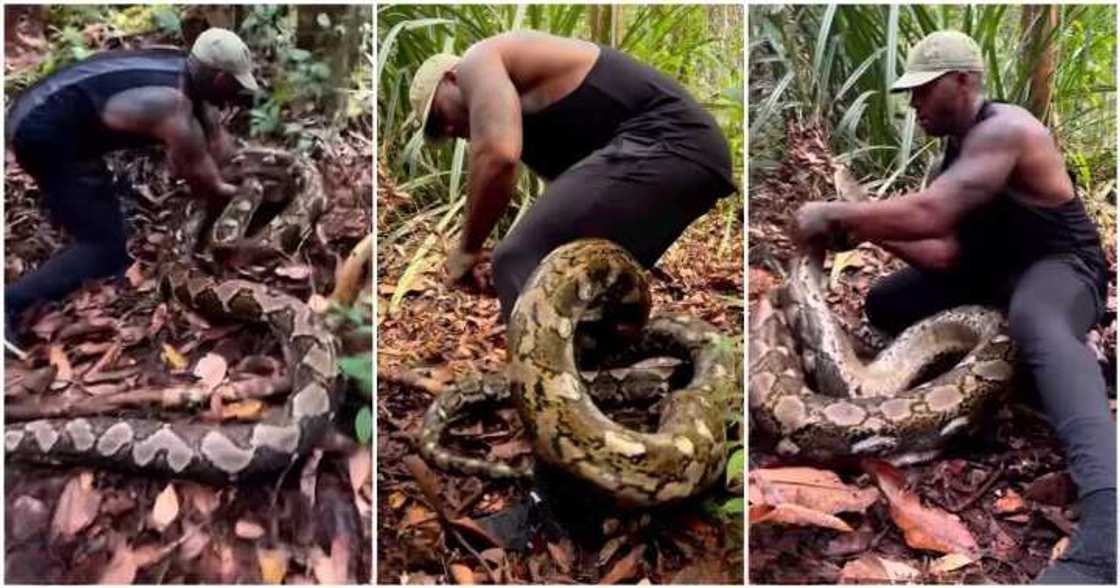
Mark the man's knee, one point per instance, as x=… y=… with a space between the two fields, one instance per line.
x=1042 y=336
x=512 y=262
x=111 y=255
x=881 y=308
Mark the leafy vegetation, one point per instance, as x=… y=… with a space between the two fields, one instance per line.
x=837 y=62
x=701 y=46
x=303 y=103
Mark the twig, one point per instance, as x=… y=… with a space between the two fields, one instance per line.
x=982 y=490
x=412 y=379
x=348 y=280
x=165 y=397
x=16 y=351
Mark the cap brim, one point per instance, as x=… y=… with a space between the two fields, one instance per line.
x=913 y=79
x=246 y=80
x=424 y=117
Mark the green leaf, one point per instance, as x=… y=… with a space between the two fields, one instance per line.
x=735 y=506
x=299 y=55
x=363 y=425
x=360 y=368
x=167 y=19
x=735 y=465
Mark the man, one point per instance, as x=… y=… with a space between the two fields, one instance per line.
x=1001 y=225
x=61 y=127
x=628 y=154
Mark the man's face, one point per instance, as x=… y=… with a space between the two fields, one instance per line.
x=223 y=89
x=940 y=103
x=448 y=117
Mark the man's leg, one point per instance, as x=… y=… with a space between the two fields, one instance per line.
x=81 y=199
x=1052 y=309
x=642 y=200
x=909 y=295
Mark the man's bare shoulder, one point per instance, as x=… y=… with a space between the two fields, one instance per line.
x=1017 y=121
x=144 y=109
x=1009 y=125
x=516 y=45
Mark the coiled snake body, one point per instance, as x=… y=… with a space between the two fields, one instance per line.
x=227 y=451
x=882 y=408
x=596 y=278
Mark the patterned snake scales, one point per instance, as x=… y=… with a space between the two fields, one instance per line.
x=873 y=409
x=595 y=279
x=225 y=452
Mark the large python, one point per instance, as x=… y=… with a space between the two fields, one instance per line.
x=882 y=408
x=594 y=279
x=229 y=451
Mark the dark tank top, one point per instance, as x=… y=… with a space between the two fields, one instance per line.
x=63 y=111
x=1005 y=236
x=622 y=97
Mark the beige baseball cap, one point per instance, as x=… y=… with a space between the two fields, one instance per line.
x=936 y=55
x=424 y=84
x=223 y=50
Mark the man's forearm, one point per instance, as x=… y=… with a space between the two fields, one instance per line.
x=492 y=181
x=926 y=254
x=204 y=179
x=909 y=218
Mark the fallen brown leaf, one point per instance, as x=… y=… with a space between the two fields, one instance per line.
x=77 y=506
x=360 y=466
x=294 y=272
x=165 y=510
x=922 y=527
x=173 y=358
x=127 y=561
x=333 y=568
x=626 y=568
x=210 y=371
x=244 y=410
x=462 y=574
x=950 y=562
x=57 y=358
x=820 y=490
x=246 y=529
x=1010 y=503
x=872 y=569
x=795 y=514
x=273 y=564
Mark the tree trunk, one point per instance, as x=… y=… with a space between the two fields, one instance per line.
x=337 y=47
x=196 y=19
x=1038 y=23
x=599 y=18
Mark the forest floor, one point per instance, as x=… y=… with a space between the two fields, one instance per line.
x=435 y=527
x=992 y=509
x=76 y=524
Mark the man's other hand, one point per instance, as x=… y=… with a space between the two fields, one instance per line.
x=465 y=271
x=816 y=228
x=225 y=190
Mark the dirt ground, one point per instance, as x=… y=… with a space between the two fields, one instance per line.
x=1006 y=485
x=435 y=527
x=72 y=524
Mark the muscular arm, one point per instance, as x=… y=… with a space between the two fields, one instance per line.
x=988 y=156
x=495 y=127
x=186 y=144
x=165 y=113
x=928 y=254
x=220 y=144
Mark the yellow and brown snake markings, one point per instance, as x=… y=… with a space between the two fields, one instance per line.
x=557 y=402
x=223 y=452
x=810 y=392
